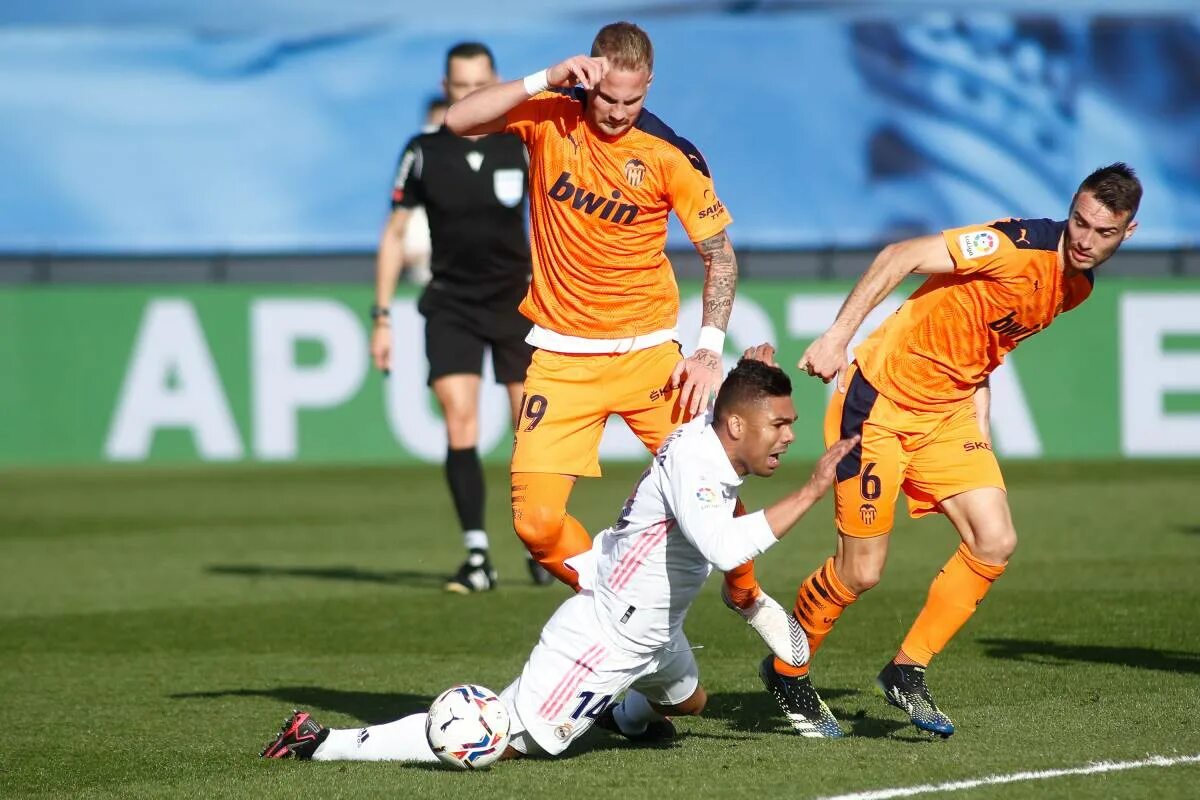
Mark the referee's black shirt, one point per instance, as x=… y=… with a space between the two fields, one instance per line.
x=474 y=193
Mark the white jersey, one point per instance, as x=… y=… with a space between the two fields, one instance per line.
x=676 y=526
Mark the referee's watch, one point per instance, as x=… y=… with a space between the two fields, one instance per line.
x=380 y=311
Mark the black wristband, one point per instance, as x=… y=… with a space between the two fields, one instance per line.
x=380 y=311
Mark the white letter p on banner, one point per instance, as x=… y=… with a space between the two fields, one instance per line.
x=283 y=387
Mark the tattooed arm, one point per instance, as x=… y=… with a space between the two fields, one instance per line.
x=700 y=373
x=720 y=280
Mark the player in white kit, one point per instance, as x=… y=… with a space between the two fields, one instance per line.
x=623 y=632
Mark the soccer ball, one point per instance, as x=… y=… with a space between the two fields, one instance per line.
x=467 y=727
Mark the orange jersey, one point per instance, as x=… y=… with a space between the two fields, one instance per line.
x=956 y=329
x=598 y=218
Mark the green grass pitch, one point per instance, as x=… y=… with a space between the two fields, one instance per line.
x=157 y=625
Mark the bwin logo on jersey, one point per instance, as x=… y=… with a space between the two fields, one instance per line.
x=591 y=203
x=1008 y=326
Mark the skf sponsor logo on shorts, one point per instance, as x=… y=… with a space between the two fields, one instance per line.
x=715 y=206
x=1008 y=326
x=593 y=204
x=868 y=513
x=635 y=171
x=969 y=446
x=977 y=244
x=708 y=497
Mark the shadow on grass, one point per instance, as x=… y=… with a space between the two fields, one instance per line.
x=867 y=727
x=347 y=573
x=1056 y=653
x=1192 y=529
x=370 y=707
x=376 y=708
x=596 y=741
x=593 y=741
x=757 y=712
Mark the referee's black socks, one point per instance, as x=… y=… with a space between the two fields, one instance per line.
x=464 y=474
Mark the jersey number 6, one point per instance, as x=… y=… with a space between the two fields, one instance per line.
x=870 y=486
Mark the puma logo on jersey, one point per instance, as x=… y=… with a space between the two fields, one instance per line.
x=1008 y=326
x=592 y=204
x=1022 y=238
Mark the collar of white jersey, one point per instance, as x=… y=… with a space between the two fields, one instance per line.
x=716 y=451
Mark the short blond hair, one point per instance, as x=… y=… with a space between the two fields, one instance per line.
x=626 y=46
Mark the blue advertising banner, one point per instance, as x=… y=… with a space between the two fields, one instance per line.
x=823 y=129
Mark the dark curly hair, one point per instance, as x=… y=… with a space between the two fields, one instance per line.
x=750 y=382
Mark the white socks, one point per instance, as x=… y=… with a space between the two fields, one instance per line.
x=634 y=713
x=475 y=540
x=402 y=740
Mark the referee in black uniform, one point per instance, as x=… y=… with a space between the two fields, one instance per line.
x=474 y=193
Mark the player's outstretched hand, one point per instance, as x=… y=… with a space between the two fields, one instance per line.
x=763 y=352
x=826 y=469
x=700 y=375
x=381 y=348
x=584 y=70
x=824 y=358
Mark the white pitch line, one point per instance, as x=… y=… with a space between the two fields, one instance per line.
x=1015 y=777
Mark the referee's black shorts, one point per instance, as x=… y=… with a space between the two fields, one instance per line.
x=457 y=330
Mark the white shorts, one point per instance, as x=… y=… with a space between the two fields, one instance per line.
x=575 y=672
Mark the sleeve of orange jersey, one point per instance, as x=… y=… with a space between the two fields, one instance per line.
x=694 y=198
x=978 y=249
x=523 y=119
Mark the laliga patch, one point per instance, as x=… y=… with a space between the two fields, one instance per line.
x=708 y=497
x=977 y=244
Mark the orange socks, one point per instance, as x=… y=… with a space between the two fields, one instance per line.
x=742 y=585
x=539 y=508
x=953 y=597
x=740 y=582
x=820 y=600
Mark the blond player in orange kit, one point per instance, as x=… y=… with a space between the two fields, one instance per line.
x=917 y=393
x=604 y=176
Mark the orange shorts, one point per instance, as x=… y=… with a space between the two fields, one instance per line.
x=930 y=455
x=568 y=399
